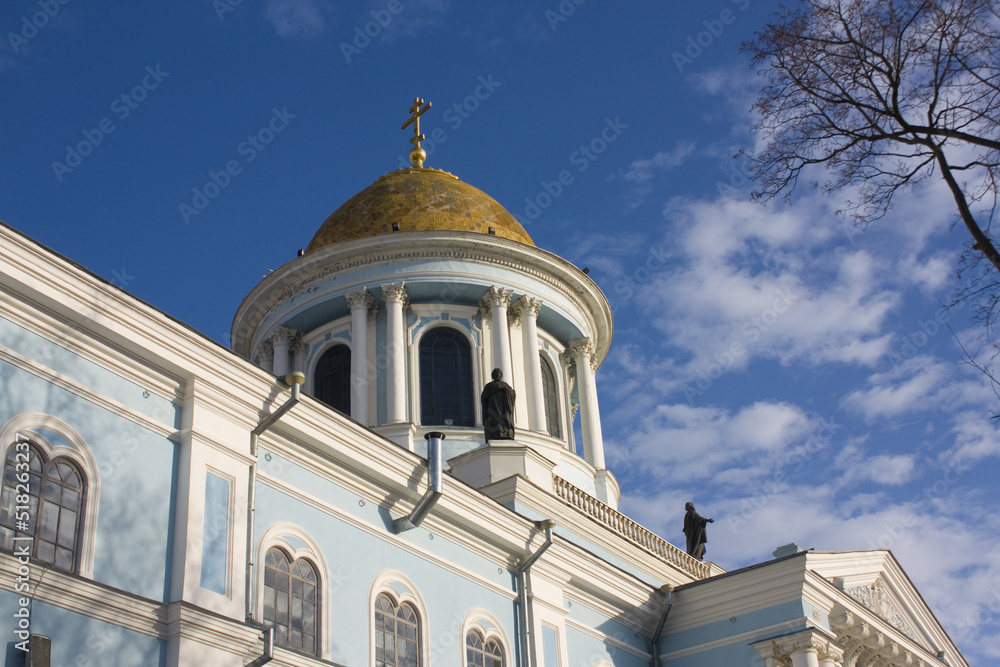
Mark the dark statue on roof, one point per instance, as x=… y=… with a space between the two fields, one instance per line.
x=694 y=530
x=498 y=409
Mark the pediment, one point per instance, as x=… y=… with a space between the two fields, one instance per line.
x=875 y=581
x=885 y=602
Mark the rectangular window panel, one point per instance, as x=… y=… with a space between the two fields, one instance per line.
x=215 y=534
x=549 y=653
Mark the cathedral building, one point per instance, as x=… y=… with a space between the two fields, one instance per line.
x=323 y=493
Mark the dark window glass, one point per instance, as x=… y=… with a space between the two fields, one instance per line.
x=291 y=600
x=332 y=384
x=41 y=501
x=482 y=653
x=446 y=378
x=397 y=633
x=550 y=388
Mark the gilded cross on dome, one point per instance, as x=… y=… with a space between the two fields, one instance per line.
x=418 y=154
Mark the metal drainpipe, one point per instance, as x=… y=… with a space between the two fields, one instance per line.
x=522 y=584
x=435 y=486
x=667 y=590
x=296 y=380
x=268 y=649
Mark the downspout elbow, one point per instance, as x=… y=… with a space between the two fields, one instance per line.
x=268 y=655
x=435 y=485
x=668 y=590
x=547 y=525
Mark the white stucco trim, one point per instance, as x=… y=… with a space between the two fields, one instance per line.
x=25 y=424
x=383 y=583
x=491 y=629
x=275 y=536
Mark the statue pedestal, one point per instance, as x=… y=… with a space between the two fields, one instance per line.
x=499 y=460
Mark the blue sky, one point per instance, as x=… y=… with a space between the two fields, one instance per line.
x=792 y=375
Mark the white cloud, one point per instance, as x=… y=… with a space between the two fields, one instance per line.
x=883 y=469
x=296 y=19
x=766 y=281
x=643 y=170
x=976 y=438
x=915 y=384
x=708 y=443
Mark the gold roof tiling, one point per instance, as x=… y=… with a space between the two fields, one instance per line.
x=418 y=199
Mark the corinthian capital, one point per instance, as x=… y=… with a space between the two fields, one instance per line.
x=582 y=347
x=394 y=292
x=526 y=306
x=361 y=299
x=497 y=297
x=281 y=335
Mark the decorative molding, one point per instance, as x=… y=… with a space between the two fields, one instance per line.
x=526 y=305
x=298 y=343
x=783 y=651
x=362 y=298
x=301 y=277
x=394 y=293
x=496 y=297
x=89 y=394
x=867 y=644
x=23 y=427
x=265 y=353
x=281 y=335
x=389 y=582
x=582 y=347
x=875 y=597
x=274 y=536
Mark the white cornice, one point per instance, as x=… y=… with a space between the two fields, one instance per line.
x=86 y=393
x=294 y=277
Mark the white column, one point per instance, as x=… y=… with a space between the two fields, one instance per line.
x=394 y=295
x=527 y=310
x=266 y=355
x=361 y=303
x=298 y=348
x=805 y=657
x=593 y=439
x=281 y=339
x=497 y=299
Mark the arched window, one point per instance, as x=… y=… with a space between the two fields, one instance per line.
x=291 y=600
x=397 y=633
x=482 y=652
x=549 y=386
x=42 y=500
x=332 y=382
x=446 y=394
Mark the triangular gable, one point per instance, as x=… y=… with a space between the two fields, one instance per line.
x=875 y=580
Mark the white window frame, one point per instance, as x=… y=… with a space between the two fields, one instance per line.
x=23 y=427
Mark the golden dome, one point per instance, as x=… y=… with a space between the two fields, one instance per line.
x=418 y=199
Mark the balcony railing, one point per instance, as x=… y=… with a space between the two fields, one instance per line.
x=630 y=530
